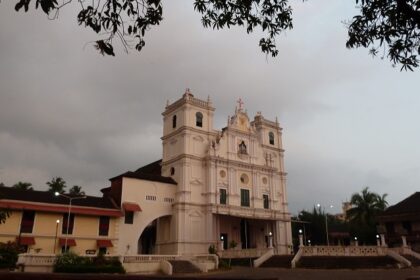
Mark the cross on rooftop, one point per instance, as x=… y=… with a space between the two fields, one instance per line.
x=240 y=103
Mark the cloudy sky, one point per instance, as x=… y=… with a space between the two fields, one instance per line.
x=349 y=120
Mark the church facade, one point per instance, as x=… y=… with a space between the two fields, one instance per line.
x=225 y=188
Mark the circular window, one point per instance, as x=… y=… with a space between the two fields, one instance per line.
x=222 y=173
x=244 y=179
x=264 y=180
x=172 y=171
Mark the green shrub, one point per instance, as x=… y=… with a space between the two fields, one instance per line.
x=212 y=249
x=72 y=263
x=9 y=254
x=232 y=244
x=224 y=264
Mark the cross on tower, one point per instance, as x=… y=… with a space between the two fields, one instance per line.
x=240 y=103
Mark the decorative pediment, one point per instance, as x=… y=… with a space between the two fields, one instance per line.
x=196 y=181
x=198 y=138
x=222 y=184
x=240 y=121
x=195 y=213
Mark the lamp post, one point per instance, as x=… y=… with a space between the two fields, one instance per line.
x=301 y=238
x=68 y=215
x=304 y=231
x=222 y=247
x=326 y=222
x=378 y=241
x=56 y=233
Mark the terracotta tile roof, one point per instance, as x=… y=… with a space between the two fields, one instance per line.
x=12 y=194
x=409 y=205
x=150 y=172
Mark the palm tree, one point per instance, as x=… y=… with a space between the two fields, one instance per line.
x=57 y=184
x=24 y=186
x=362 y=216
x=76 y=191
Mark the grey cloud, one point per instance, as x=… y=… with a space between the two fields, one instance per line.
x=67 y=111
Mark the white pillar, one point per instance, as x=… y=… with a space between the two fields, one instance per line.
x=270 y=241
x=383 y=240
x=301 y=240
x=404 y=240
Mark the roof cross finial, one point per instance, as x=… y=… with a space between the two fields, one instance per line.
x=240 y=103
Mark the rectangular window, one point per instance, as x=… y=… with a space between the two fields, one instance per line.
x=65 y=249
x=389 y=227
x=407 y=226
x=102 y=250
x=65 y=221
x=265 y=200
x=223 y=196
x=27 y=223
x=245 y=197
x=129 y=217
x=103 y=225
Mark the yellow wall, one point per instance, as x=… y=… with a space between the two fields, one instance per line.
x=85 y=232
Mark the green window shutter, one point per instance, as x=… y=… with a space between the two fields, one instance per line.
x=223 y=196
x=245 y=197
x=265 y=200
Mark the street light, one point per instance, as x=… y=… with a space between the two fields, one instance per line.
x=56 y=233
x=68 y=215
x=378 y=241
x=270 y=240
x=304 y=227
x=326 y=221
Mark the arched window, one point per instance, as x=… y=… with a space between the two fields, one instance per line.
x=271 y=137
x=199 y=119
x=174 y=121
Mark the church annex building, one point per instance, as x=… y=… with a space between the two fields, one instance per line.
x=225 y=188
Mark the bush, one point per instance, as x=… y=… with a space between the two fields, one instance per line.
x=212 y=249
x=224 y=264
x=72 y=263
x=9 y=254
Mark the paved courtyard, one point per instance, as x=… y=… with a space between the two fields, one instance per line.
x=241 y=273
x=316 y=274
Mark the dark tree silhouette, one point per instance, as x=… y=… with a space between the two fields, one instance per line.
x=57 y=184
x=76 y=191
x=25 y=186
x=4 y=214
x=392 y=25
x=366 y=206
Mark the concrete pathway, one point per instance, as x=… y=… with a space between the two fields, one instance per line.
x=238 y=273
x=316 y=274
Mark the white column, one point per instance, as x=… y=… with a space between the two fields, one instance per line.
x=383 y=240
x=404 y=240
x=301 y=240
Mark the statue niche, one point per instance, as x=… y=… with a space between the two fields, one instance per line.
x=242 y=148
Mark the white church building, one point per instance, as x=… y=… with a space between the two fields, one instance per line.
x=225 y=187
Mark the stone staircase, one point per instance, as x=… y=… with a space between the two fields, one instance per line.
x=183 y=266
x=245 y=262
x=282 y=261
x=414 y=261
x=333 y=262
